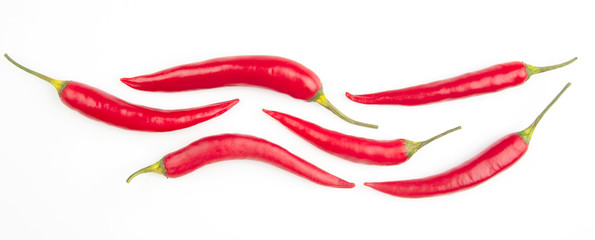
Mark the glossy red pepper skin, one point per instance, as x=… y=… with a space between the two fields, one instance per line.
x=276 y=73
x=355 y=149
x=495 y=159
x=107 y=108
x=99 y=105
x=492 y=79
x=236 y=146
x=280 y=74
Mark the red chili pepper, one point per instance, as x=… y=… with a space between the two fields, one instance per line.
x=492 y=79
x=280 y=74
x=356 y=149
x=102 y=106
x=235 y=146
x=496 y=158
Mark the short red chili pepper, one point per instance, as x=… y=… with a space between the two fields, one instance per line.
x=492 y=79
x=276 y=73
x=236 y=146
x=102 y=106
x=356 y=149
x=493 y=160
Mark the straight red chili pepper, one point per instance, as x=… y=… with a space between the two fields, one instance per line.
x=355 y=149
x=493 y=160
x=102 y=106
x=492 y=79
x=236 y=146
x=276 y=73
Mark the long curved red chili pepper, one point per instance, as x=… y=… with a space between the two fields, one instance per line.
x=280 y=74
x=102 y=106
x=236 y=146
x=356 y=149
x=493 y=160
x=492 y=79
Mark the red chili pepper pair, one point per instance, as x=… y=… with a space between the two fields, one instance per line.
x=493 y=160
x=280 y=74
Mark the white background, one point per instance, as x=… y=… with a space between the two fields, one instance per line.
x=63 y=174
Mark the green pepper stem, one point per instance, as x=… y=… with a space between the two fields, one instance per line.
x=528 y=132
x=322 y=100
x=58 y=84
x=532 y=70
x=413 y=147
x=157 y=167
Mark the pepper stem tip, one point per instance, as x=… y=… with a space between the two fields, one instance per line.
x=413 y=147
x=321 y=99
x=528 y=132
x=157 y=167
x=532 y=70
x=58 y=84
